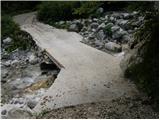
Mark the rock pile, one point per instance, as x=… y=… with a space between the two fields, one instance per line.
x=108 y=32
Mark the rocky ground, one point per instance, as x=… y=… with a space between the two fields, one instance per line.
x=25 y=79
x=111 y=33
x=120 y=108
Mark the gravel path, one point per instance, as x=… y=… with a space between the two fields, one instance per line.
x=121 y=108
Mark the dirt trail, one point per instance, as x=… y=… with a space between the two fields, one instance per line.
x=89 y=75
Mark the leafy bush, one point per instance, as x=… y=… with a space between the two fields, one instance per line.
x=62 y=26
x=50 y=12
x=55 y=11
x=21 y=39
x=87 y=9
x=142 y=6
x=9 y=28
x=146 y=73
x=18 y=7
x=108 y=30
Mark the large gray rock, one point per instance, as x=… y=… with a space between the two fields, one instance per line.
x=84 y=29
x=95 y=20
x=73 y=27
x=3 y=80
x=102 y=26
x=91 y=36
x=32 y=59
x=115 y=28
x=15 y=62
x=127 y=15
x=94 y=25
x=19 y=114
x=12 y=111
x=138 y=22
x=7 y=63
x=102 y=19
x=111 y=46
x=76 y=21
x=4 y=74
x=109 y=25
x=112 y=19
x=135 y=13
x=106 y=17
x=18 y=55
x=61 y=22
x=99 y=43
x=126 y=38
x=100 y=10
x=117 y=15
x=7 y=41
x=122 y=23
x=3 y=112
x=76 y=26
x=31 y=104
x=100 y=35
x=4 y=54
x=93 y=30
x=119 y=34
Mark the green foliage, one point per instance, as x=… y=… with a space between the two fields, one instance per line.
x=63 y=26
x=87 y=8
x=20 y=38
x=142 y=6
x=9 y=28
x=54 y=11
x=115 y=5
x=108 y=30
x=146 y=73
x=18 y=7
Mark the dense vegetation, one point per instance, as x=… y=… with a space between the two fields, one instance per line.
x=10 y=29
x=14 y=8
x=53 y=11
x=20 y=39
x=146 y=73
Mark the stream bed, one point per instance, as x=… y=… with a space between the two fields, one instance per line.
x=25 y=77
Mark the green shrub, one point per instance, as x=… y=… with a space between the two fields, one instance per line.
x=21 y=40
x=56 y=11
x=63 y=26
x=108 y=30
x=8 y=27
x=87 y=9
x=18 y=7
x=52 y=11
x=146 y=73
